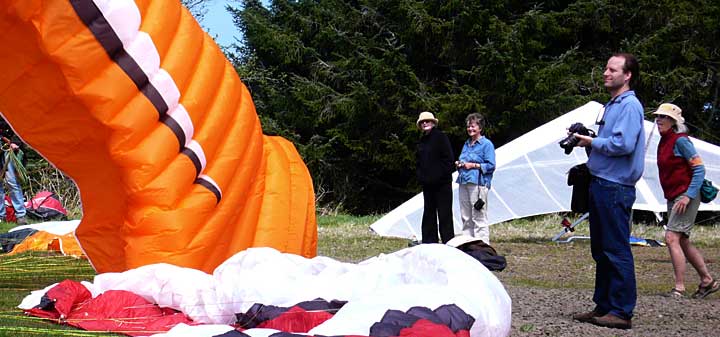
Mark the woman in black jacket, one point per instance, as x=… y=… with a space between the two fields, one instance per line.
x=434 y=169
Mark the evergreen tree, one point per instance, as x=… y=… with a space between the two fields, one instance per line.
x=346 y=80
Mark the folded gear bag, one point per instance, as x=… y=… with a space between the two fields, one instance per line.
x=579 y=179
x=486 y=254
x=708 y=191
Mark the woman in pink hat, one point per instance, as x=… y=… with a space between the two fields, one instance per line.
x=681 y=173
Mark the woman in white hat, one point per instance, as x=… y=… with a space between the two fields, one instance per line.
x=434 y=172
x=681 y=173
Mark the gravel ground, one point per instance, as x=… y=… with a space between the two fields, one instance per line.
x=548 y=283
x=548 y=312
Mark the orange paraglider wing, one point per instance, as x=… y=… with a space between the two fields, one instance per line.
x=141 y=108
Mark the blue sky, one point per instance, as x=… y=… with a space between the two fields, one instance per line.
x=218 y=22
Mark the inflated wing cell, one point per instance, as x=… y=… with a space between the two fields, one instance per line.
x=141 y=108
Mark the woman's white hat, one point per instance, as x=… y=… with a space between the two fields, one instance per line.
x=670 y=110
x=426 y=116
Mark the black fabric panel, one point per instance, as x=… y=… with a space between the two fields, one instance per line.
x=385 y=329
x=391 y=323
x=321 y=304
x=425 y=313
x=176 y=129
x=491 y=262
x=10 y=239
x=45 y=303
x=194 y=159
x=449 y=315
x=210 y=187
x=257 y=314
x=45 y=213
x=91 y=16
x=233 y=333
x=454 y=317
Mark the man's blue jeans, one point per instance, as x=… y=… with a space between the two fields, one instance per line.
x=16 y=194
x=610 y=207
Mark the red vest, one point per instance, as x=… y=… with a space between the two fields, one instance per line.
x=675 y=172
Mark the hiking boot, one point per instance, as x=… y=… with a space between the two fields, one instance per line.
x=585 y=317
x=612 y=321
x=21 y=221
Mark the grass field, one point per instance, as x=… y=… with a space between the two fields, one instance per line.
x=526 y=243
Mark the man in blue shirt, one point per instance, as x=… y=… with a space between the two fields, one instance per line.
x=616 y=163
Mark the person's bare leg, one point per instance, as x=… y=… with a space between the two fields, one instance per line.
x=696 y=260
x=677 y=257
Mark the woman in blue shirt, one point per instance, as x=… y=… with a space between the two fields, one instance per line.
x=475 y=170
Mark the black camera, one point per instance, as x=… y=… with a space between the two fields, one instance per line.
x=570 y=141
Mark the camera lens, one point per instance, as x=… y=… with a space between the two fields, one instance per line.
x=568 y=143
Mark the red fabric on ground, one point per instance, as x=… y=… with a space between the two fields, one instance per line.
x=426 y=328
x=115 y=311
x=296 y=319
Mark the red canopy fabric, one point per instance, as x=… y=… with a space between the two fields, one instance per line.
x=117 y=310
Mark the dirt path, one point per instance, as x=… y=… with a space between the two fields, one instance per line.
x=547 y=312
x=548 y=283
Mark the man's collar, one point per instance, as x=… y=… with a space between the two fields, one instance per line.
x=469 y=140
x=619 y=98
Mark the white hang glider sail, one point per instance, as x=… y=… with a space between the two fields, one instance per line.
x=531 y=177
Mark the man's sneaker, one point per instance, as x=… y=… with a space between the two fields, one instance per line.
x=612 y=321
x=586 y=317
x=21 y=221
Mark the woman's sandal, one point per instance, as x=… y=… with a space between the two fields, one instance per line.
x=674 y=293
x=702 y=292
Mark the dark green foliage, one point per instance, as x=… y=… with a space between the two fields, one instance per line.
x=345 y=80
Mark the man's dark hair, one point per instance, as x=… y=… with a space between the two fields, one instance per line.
x=632 y=66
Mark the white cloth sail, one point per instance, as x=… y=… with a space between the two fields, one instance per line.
x=531 y=177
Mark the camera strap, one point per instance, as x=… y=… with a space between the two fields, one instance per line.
x=600 y=120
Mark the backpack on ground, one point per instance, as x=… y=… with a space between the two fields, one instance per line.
x=45 y=206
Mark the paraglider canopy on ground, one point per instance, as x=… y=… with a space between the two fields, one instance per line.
x=54 y=236
x=417 y=291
